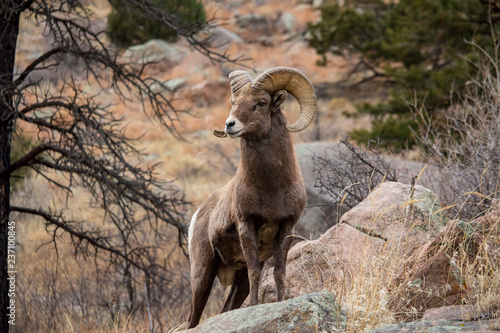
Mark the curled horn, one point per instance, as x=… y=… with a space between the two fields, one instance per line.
x=297 y=84
x=237 y=79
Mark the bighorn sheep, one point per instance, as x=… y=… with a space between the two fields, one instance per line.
x=242 y=224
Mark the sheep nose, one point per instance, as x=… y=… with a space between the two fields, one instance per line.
x=230 y=123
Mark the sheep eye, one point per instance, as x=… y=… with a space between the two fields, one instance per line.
x=261 y=104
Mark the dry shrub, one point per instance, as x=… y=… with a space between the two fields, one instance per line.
x=464 y=143
x=348 y=174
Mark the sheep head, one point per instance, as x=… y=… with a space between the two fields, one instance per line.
x=254 y=102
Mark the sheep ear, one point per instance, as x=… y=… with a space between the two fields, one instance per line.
x=278 y=98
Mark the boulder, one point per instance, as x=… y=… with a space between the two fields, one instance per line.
x=452 y=312
x=386 y=219
x=435 y=283
x=432 y=326
x=156 y=50
x=322 y=263
x=221 y=37
x=431 y=278
x=316 y=312
x=287 y=23
x=400 y=214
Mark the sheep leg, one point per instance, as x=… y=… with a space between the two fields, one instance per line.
x=248 y=239
x=201 y=284
x=239 y=291
x=281 y=246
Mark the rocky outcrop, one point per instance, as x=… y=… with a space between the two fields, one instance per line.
x=317 y=312
x=433 y=326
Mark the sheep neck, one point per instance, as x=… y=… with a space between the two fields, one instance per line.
x=269 y=163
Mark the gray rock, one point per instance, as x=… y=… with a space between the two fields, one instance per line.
x=168 y=86
x=221 y=37
x=314 y=312
x=156 y=50
x=431 y=326
x=287 y=23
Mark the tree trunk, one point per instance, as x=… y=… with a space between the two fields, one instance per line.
x=9 y=28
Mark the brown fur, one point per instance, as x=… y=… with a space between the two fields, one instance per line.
x=249 y=220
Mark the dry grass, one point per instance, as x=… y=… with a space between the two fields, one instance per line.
x=367 y=298
x=368 y=295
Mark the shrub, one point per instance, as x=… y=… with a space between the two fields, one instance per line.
x=464 y=141
x=132 y=26
x=348 y=174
